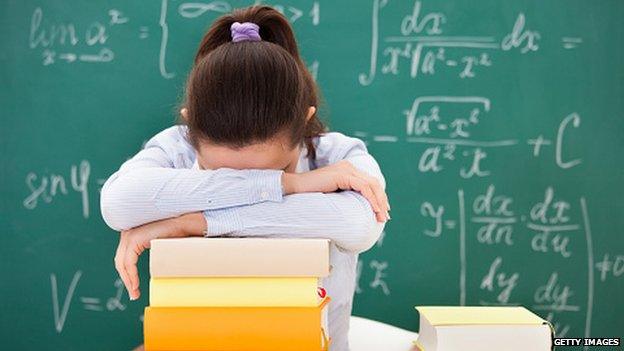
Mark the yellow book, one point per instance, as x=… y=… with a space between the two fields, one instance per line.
x=449 y=328
x=234 y=291
x=477 y=315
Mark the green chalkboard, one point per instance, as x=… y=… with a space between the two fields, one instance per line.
x=498 y=125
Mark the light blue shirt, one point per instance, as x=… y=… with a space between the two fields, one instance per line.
x=161 y=182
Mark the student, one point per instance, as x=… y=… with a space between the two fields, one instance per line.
x=251 y=159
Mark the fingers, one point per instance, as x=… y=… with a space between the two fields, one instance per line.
x=130 y=263
x=380 y=198
x=364 y=188
x=380 y=194
x=119 y=262
x=126 y=259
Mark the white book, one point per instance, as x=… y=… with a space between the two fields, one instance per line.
x=482 y=328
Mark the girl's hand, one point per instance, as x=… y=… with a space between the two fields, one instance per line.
x=134 y=241
x=341 y=175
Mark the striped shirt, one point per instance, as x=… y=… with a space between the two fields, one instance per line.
x=162 y=181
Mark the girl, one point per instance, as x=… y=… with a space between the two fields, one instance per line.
x=251 y=159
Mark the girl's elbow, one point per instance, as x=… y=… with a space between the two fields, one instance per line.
x=111 y=221
x=370 y=236
x=112 y=206
x=363 y=235
x=108 y=213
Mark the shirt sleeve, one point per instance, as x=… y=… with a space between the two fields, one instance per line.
x=345 y=217
x=150 y=186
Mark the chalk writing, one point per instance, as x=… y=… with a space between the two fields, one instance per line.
x=422 y=46
x=554 y=296
x=550 y=222
x=48 y=187
x=60 y=314
x=610 y=266
x=89 y=303
x=59 y=40
x=112 y=304
x=294 y=13
x=549 y=226
x=445 y=126
x=495 y=280
x=378 y=282
x=496 y=218
x=198 y=9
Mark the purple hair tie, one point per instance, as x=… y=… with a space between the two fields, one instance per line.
x=246 y=31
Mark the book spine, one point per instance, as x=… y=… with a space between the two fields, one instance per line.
x=234 y=328
x=203 y=257
x=204 y=292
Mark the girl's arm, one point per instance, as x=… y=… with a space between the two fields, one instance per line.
x=347 y=218
x=344 y=217
x=157 y=183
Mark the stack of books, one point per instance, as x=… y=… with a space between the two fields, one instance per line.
x=237 y=294
x=444 y=328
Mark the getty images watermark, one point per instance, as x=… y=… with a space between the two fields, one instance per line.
x=586 y=341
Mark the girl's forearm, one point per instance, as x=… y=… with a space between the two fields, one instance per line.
x=155 y=184
x=345 y=218
x=144 y=195
x=190 y=224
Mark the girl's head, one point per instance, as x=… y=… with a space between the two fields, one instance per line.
x=250 y=102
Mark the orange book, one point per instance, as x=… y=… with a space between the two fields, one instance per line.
x=235 y=328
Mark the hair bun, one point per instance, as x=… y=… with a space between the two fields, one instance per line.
x=246 y=31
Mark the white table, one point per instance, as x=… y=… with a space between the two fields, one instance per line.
x=370 y=335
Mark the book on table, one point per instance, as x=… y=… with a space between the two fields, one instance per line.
x=449 y=328
x=237 y=294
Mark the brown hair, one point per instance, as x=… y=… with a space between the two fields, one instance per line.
x=246 y=92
